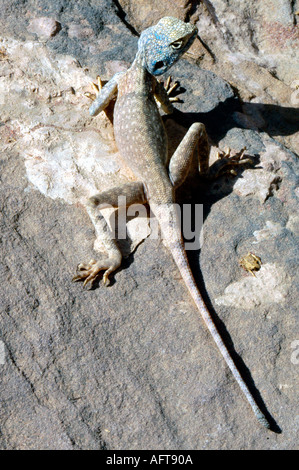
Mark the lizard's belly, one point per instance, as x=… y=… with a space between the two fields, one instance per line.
x=139 y=132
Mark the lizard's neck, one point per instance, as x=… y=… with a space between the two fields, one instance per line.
x=137 y=78
x=138 y=63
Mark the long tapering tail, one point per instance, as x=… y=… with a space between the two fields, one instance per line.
x=180 y=257
x=169 y=224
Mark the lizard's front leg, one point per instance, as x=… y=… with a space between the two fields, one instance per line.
x=132 y=193
x=104 y=94
x=162 y=94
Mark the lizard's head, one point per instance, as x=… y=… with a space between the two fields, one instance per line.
x=163 y=44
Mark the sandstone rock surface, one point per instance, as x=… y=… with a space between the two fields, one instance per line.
x=132 y=366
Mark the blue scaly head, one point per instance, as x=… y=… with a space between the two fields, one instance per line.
x=160 y=46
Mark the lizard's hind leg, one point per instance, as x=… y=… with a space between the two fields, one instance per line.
x=131 y=193
x=226 y=163
x=181 y=159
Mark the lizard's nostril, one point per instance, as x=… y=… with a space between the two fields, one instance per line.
x=158 y=65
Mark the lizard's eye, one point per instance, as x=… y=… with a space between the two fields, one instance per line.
x=177 y=44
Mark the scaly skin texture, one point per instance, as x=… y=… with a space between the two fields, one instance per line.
x=141 y=139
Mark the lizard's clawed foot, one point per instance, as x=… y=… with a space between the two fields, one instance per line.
x=227 y=161
x=89 y=272
x=96 y=88
x=169 y=88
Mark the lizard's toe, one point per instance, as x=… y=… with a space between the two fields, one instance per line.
x=89 y=272
x=96 y=89
x=227 y=162
x=170 y=86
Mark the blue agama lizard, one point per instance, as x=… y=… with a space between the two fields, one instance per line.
x=141 y=140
